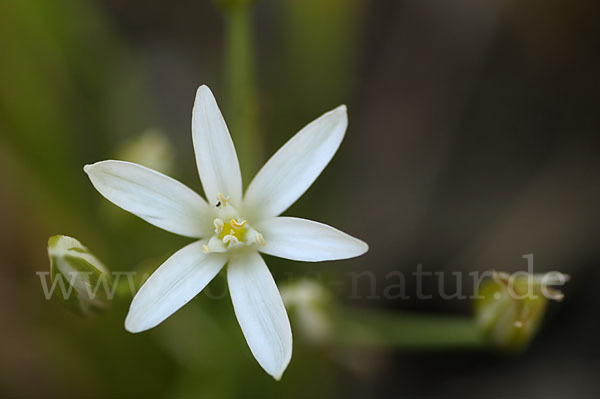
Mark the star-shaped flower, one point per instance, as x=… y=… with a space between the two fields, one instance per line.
x=231 y=229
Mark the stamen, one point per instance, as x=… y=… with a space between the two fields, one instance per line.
x=218 y=225
x=237 y=224
x=260 y=239
x=230 y=240
x=222 y=200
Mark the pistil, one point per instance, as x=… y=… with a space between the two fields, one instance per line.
x=231 y=231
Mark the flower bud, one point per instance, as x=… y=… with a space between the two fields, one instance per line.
x=78 y=278
x=152 y=149
x=309 y=305
x=510 y=308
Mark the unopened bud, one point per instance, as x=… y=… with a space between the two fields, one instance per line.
x=78 y=278
x=152 y=149
x=309 y=305
x=510 y=308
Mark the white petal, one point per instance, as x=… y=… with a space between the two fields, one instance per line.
x=156 y=198
x=260 y=312
x=289 y=173
x=306 y=240
x=215 y=154
x=172 y=285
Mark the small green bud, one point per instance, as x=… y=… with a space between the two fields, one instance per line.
x=510 y=308
x=78 y=278
x=309 y=304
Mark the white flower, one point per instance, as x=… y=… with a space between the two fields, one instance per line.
x=231 y=229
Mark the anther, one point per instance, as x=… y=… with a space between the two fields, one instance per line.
x=230 y=240
x=237 y=224
x=218 y=225
x=222 y=200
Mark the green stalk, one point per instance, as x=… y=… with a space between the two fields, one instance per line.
x=241 y=100
x=406 y=331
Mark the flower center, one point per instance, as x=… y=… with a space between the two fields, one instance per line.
x=231 y=231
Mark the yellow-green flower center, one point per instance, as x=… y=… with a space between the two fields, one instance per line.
x=231 y=231
x=234 y=228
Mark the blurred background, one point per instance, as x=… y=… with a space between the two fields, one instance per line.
x=472 y=142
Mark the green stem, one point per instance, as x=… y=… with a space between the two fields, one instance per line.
x=409 y=331
x=241 y=104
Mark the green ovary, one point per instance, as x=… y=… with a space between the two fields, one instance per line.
x=233 y=228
